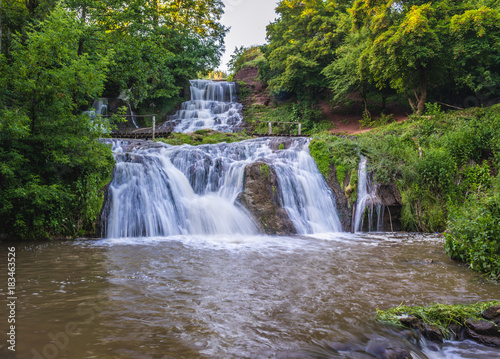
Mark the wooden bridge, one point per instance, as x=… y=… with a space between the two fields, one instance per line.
x=280 y=129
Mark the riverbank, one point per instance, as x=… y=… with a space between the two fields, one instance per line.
x=445 y=167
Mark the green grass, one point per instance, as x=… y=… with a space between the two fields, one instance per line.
x=312 y=122
x=203 y=137
x=264 y=169
x=439 y=315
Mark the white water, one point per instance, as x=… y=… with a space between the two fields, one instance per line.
x=99 y=108
x=163 y=190
x=367 y=201
x=212 y=106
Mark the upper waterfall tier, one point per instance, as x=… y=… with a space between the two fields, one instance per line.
x=162 y=190
x=212 y=106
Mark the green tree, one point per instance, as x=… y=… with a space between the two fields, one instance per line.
x=52 y=164
x=302 y=42
x=476 y=48
x=411 y=55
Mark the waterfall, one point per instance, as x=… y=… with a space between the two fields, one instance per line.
x=368 y=206
x=132 y=116
x=212 y=106
x=162 y=190
x=99 y=108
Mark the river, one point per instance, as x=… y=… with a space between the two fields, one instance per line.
x=232 y=296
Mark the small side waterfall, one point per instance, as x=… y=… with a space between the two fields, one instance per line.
x=132 y=116
x=162 y=190
x=368 y=206
x=212 y=106
x=99 y=108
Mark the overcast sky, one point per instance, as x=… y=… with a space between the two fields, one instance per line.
x=248 y=20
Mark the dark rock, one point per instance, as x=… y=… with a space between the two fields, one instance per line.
x=459 y=332
x=396 y=353
x=412 y=322
x=100 y=222
x=377 y=347
x=433 y=333
x=493 y=314
x=382 y=348
x=344 y=211
x=411 y=336
x=260 y=197
x=389 y=194
x=483 y=328
x=484 y=339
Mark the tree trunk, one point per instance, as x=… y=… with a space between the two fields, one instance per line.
x=412 y=103
x=422 y=99
x=365 y=101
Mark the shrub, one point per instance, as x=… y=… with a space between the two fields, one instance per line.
x=474 y=232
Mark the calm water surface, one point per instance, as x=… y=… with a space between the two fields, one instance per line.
x=234 y=297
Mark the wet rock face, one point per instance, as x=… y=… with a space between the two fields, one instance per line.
x=344 y=211
x=389 y=194
x=260 y=197
x=493 y=314
x=391 y=198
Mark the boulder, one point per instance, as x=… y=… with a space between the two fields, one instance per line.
x=433 y=333
x=261 y=197
x=382 y=348
x=344 y=211
x=493 y=314
x=484 y=332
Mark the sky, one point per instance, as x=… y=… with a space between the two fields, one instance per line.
x=248 y=20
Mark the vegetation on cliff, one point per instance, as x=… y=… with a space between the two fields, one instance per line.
x=446 y=167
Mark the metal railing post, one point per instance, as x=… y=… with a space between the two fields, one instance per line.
x=154 y=126
x=270 y=128
x=300 y=129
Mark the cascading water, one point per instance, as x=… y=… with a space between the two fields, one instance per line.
x=99 y=108
x=132 y=116
x=212 y=106
x=368 y=206
x=163 y=190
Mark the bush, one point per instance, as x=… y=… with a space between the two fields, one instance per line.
x=474 y=232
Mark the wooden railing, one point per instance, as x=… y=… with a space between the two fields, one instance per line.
x=270 y=126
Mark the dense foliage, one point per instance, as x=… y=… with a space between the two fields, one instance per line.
x=55 y=59
x=446 y=51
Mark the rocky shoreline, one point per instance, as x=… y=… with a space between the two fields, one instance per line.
x=484 y=331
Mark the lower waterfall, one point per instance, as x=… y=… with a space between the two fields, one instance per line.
x=368 y=206
x=163 y=190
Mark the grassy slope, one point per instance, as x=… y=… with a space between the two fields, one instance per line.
x=446 y=168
